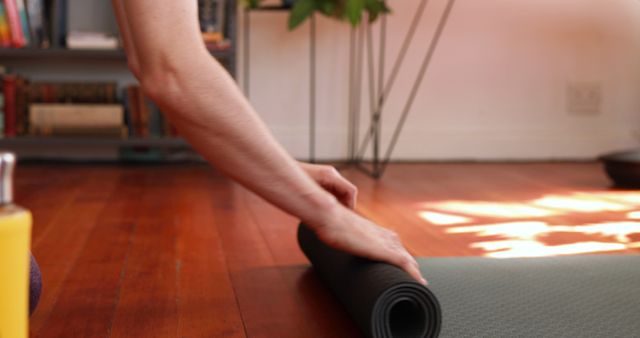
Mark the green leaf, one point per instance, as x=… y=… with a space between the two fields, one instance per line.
x=375 y=8
x=354 y=10
x=251 y=3
x=327 y=7
x=301 y=10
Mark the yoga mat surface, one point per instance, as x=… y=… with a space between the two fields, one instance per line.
x=570 y=296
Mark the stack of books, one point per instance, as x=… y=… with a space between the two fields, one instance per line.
x=95 y=109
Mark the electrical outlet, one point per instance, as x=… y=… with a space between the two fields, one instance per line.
x=584 y=98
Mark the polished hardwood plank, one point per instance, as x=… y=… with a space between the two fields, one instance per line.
x=60 y=245
x=180 y=251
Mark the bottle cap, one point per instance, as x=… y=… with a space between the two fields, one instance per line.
x=7 y=164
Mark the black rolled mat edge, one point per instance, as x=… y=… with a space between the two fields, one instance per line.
x=383 y=300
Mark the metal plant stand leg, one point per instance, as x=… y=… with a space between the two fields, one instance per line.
x=374 y=130
x=312 y=90
x=356 y=47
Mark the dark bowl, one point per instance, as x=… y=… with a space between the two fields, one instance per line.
x=623 y=168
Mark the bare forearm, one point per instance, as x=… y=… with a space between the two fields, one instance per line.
x=177 y=72
x=214 y=116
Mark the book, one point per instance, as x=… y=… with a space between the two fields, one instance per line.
x=127 y=113
x=47 y=118
x=24 y=23
x=168 y=129
x=1 y=114
x=57 y=12
x=21 y=103
x=73 y=92
x=47 y=23
x=35 y=14
x=155 y=120
x=91 y=40
x=134 y=110
x=143 y=109
x=15 y=26
x=5 y=34
x=9 y=91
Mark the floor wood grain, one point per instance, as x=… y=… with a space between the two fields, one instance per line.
x=180 y=251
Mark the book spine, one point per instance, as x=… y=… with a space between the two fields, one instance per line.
x=155 y=120
x=75 y=116
x=128 y=120
x=132 y=97
x=5 y=34
x=59 y=23
x=144 y=113
x=36 y=28
x=15 y=27
x=22 y=97
x=24 y=22
x=9 y=89
x=1 y=114
x=74 y=92
x=47 y=12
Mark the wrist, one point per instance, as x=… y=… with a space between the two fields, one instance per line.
x=325 y=210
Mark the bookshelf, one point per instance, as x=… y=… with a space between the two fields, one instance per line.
x=54 y=142
x=47 y=61
x=69 y=54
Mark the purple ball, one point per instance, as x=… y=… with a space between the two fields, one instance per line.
x=35 y=285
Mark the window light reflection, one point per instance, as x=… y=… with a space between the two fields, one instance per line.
x=492 y=209
x=578 y=204
x=443 y=219
x=529 y=225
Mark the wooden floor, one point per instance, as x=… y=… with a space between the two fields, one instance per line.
x=179 y=251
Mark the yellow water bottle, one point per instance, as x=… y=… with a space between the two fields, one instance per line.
x=15 y=237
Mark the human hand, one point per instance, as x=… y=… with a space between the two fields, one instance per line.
x=330 y=180
x=358 y=236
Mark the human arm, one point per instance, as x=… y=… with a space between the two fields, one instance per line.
x=204 y=103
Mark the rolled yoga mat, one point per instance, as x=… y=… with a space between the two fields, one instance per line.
x=382 y=299
x=570 y=296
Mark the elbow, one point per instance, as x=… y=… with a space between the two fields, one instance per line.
x=168 y=77
x=160 y=86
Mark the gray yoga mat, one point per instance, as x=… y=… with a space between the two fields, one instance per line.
x=577 y=296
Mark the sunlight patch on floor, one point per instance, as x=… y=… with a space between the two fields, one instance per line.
x=530 y=224
x=443 y=219
x=491 y=209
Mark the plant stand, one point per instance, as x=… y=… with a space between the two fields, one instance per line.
x=379 y=91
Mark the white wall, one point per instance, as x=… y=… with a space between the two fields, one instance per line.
x=496 y=88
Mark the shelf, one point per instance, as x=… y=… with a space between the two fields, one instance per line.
x=38 y=53
x=96 y=54
x=161 y=142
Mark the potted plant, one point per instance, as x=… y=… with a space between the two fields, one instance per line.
x=346 y=10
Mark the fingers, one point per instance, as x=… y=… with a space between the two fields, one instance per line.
x=414 y=271
x=404 y=260
x=407 y=263
x=346 y=190
x=331 y=180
